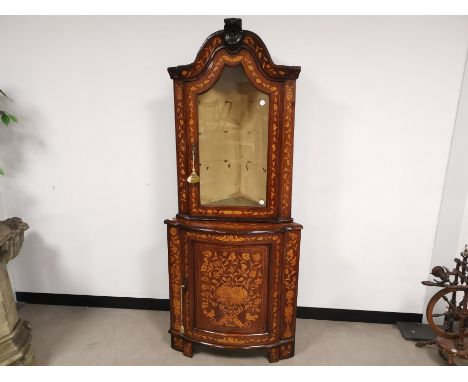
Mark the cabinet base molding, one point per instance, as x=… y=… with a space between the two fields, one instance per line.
x=276 y=352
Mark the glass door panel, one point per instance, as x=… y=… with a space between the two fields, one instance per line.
x=233 y=142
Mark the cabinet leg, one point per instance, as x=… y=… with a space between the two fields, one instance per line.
x=177 y=343
x=287 y=350
x=281 y=352
x=188 y=349
x=273 y=354
x=182 y=345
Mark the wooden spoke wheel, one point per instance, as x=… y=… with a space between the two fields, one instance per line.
x=447 y=307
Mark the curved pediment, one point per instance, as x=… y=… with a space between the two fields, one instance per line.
x=233 y=39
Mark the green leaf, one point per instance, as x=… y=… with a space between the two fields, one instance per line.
x=13 y=118
x=5 y=119
x=1 y=172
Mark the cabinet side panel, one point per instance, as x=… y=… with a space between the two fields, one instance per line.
x=287 y=146
x=175 y=275
x=181 y=146
x=275 y=286
x=291 y=276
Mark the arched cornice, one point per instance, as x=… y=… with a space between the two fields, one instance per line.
x=233 y=39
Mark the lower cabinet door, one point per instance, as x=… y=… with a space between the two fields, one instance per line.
x=233 y=293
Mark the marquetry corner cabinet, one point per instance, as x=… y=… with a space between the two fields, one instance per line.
x=233 y=247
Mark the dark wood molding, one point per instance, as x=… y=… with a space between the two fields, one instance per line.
x=163 y=304
x=235 y=219
x=233 y=39
x=233 y=227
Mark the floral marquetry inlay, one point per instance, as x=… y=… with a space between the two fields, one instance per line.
x=234 y=301
x=233 y=286
x=203 y=56
x=287 y=154
x=181 y=146
x=173 y=240
x=291 y=266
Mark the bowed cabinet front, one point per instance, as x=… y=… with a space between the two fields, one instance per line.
x=233 y=288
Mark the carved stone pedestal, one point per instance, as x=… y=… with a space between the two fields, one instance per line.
x=15 y=333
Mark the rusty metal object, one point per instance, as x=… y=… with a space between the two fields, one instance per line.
x=452 y=335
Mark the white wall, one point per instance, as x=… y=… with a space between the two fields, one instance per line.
x=91 y=166
x=452 y=227
x=463 y=232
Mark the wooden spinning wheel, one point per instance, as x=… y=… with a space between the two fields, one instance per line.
x=455 y=314
x=447 y=310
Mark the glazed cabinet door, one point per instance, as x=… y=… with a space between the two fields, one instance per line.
x=233 y=141
x=232 y=295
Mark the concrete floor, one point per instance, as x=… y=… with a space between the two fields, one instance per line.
x=64 y=335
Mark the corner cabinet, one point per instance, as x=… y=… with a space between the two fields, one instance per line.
x=233 y=246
